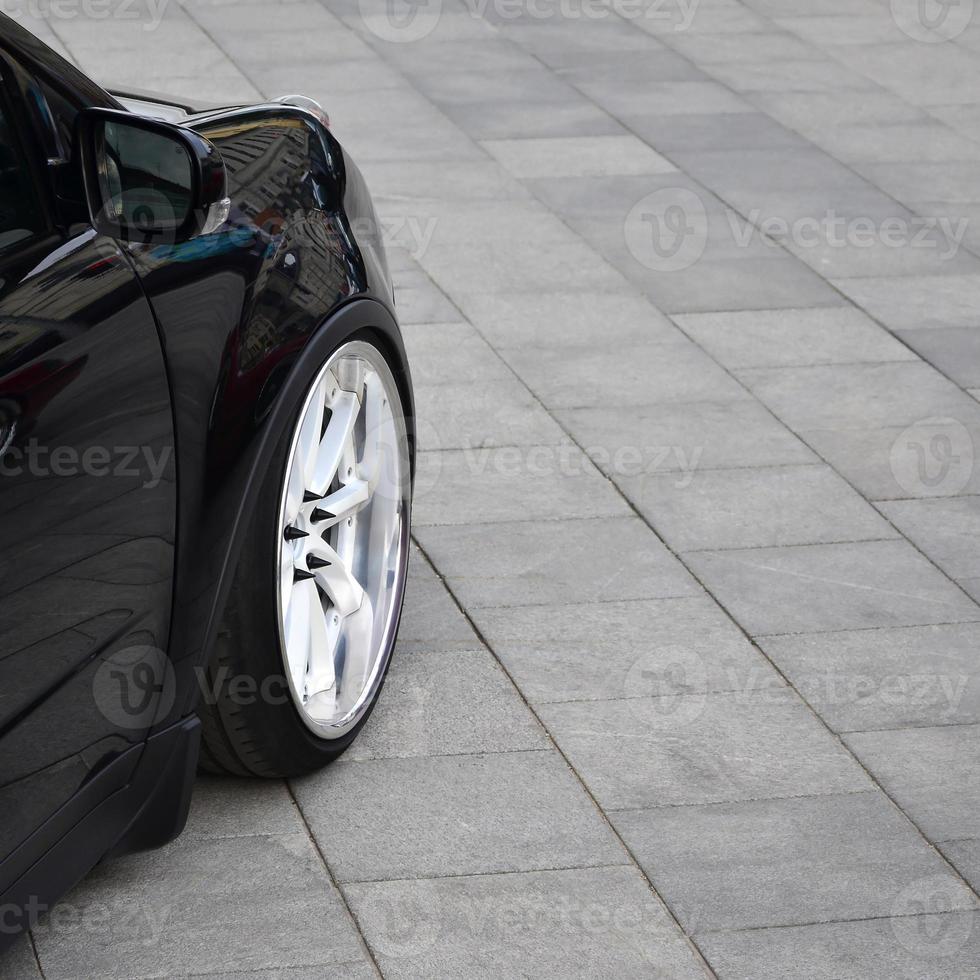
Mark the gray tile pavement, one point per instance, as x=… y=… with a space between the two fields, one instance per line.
x=594 y=560
x=615 y=503
x=764 y=863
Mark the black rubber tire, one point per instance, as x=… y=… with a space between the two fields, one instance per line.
x=262 y=734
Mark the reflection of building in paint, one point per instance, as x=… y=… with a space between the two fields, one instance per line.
x=259 y=337
x=262 y=164
x=269 y=183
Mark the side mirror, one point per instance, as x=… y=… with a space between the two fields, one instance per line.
x=150 y=181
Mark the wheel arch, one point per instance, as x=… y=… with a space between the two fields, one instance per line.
x=198 y=619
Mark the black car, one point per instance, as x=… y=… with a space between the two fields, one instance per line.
x=206 y=460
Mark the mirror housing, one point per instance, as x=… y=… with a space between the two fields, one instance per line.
x=149 y=181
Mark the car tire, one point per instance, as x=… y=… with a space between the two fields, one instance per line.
x=330 y=532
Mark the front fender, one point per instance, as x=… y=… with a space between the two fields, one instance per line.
x=217 y=545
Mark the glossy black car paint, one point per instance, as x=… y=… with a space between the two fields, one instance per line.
x=195 y=354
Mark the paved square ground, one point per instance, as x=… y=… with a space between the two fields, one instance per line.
x=689 y=680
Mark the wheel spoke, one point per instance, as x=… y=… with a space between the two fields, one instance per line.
x=336 y=442
x=307 y=451
x=359 y=635
x=298 y=634
x=343 y=503
x=337 y=580
x=321 y=672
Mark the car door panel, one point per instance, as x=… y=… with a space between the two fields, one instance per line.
x=87 y=513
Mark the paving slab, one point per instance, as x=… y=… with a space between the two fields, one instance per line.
x=609 y=650
x=447 y=703
x=917 y=302
x=564 y=562
x=549 y=319
x=861 y=680
x=577 y=156
x=683 y=439
x=935 y=456
x=792 y=338
x=932 y=773
x=764 y=863
x=201 y=906
x=954 y=351
x=829 y=587
x=964 y=855
x=480 y=485
x=946 y=529
x=19 y=962
x=451 y=353
x=754 y=508
x=919 y=947
x=594 y=923
x=414 y=818
x=227 y=807
x=482 y=414
x=858 y=395
x=431 y=620
x=683 y=748
x=644 y=374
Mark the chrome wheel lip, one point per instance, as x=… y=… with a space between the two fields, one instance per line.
x=383 y=639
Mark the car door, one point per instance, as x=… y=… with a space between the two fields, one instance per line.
x=87 y=479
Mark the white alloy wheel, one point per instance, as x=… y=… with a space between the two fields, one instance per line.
x=343 y=518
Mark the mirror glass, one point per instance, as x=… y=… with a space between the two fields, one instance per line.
x=146 y=178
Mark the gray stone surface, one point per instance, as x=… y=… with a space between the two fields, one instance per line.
x=555 y=561
x=681 y=748
x=784 y=862
x=411 y=818
x=932 y=773
x=860 y=680
x=681 y=439
x=819 y=588
x=946 y=529
x=201 y=906
x=792 y=338
x=19 y=961
x=592 y=923
x=926 y=947
x=964 y=855
x=447 y=704
x=623 y=376
x=481 y=486
x=858 y=396
x=754 y=508
x=623 y=649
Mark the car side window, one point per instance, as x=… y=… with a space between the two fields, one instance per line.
x=21 y=215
